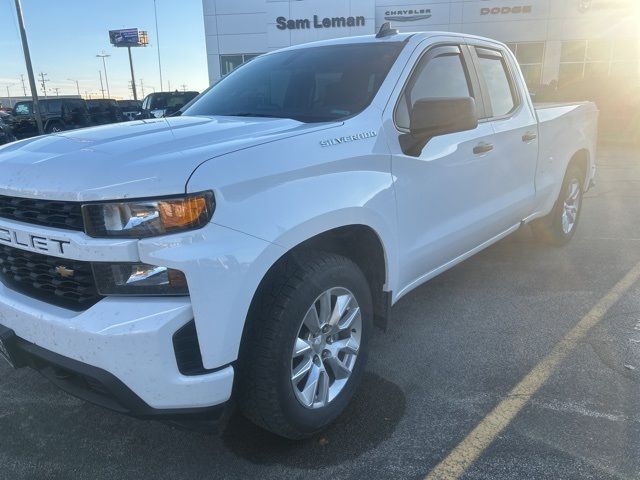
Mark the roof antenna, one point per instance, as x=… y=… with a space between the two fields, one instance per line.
x=386 y=30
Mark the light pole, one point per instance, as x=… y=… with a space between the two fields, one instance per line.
x=57 y=91
x=104 y=65
x=27 y=61
x=155 y=12
x=77 y=85
x=101 y=86
x=24 y=88
x=133 y=78
x=9 y=96
x=43 y=82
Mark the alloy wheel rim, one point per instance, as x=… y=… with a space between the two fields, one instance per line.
x=571 y=206
x=326 y=347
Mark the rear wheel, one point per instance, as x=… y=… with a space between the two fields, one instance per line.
x=560 y=225
x=305 y=346
x=54 y=127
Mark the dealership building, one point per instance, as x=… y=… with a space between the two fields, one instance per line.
x=564 y=40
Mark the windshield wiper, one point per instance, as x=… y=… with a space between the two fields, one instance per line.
x=255 y=114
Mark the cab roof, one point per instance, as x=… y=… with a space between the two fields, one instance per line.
x=406 y=37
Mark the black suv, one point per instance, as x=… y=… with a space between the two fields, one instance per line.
x=161 y=104
x=131 y=109
x=6 y=130
x=105 y=111
x=57 y=114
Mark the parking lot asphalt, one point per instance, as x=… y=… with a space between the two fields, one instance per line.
x=454 y=349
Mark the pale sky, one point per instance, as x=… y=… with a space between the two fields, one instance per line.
x=65 y=35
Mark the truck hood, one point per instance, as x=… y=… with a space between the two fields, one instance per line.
x=130 y=160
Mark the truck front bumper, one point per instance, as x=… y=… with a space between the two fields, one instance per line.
x=129 y=341
x=118 y=354
x=92 y=384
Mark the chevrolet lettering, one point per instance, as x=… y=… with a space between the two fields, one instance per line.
x=240 y=254
x=32 y=242
x=347 y=139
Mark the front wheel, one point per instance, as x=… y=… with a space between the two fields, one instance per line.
x=560 y=225
x=305 y=346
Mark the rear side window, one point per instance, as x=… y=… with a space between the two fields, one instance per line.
x=76 y=106
x=54 y=106
x=497 y=79
x=440 y=77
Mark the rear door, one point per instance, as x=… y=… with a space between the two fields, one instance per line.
x=515 y=128
x=448 y=197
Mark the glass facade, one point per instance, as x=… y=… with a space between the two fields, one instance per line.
x=228 y=63
x=530 y=56
x=593 y=60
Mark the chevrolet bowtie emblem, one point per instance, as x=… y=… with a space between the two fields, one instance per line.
x=64 y=271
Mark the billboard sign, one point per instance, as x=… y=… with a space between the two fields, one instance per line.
x=124 y=38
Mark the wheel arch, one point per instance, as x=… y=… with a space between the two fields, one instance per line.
x=360 y=243
x=54 y=121
x=582 y=160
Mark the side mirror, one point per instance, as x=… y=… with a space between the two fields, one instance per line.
x=432 y=117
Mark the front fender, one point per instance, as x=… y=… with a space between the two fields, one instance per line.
x=288 y=191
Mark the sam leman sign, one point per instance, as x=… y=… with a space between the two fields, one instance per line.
x=283 y=23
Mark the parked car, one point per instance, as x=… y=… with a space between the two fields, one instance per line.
x=246 y=248
x=58 y=114
x=104 y=111
x=7 y=117
x=160 y=104
x=6 y=128
x=131 y=109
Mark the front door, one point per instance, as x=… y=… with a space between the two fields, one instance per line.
x=447 y=196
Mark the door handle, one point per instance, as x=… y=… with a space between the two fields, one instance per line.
x=482 y=147
x=529 y=137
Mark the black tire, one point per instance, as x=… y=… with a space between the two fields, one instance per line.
x=264 y=391
x=550 y=229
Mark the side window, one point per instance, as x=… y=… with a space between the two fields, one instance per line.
x=54 y=106
x=435 y=77
x=497 y=78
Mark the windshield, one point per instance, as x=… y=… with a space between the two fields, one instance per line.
x=171 y=100
x=310 y=85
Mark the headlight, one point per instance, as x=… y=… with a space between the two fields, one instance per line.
x=138 y=279
x=148 y=218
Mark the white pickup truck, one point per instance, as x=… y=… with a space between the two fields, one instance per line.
x=244 y=249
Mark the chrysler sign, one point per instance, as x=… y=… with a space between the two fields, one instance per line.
x=407 y=14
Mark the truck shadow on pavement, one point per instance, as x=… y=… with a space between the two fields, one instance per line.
x=370 y=419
